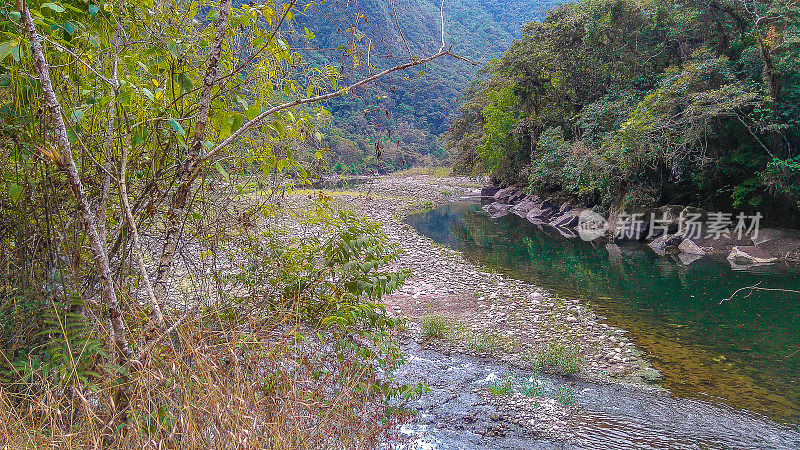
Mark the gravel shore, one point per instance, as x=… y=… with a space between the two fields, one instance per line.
x=495 y=333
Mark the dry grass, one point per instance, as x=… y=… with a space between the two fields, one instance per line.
x=438 y=172
x=229 y=384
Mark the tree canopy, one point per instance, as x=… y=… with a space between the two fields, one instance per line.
x=636 y=103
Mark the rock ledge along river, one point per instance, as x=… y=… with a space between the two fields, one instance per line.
x=607 y=405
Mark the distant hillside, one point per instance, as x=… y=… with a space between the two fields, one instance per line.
x=419 y=108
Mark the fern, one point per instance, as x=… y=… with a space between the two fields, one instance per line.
x=68 y=356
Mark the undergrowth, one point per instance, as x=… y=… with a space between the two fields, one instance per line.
x=296 y=352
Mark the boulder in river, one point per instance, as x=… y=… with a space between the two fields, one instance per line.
x=688 y=258
x=688 y=246
x=662 y=244
x=567 y=220
x=489 y=191
x=540 y=213
x=751 y=255
x=510 y=195
x=523 y=208
x=496 y=210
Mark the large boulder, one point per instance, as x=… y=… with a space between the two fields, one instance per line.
x=665 y=243
x=751 y=255
x=688 y=246
x=567 y=220
x=510 y=195
x=523 y=208
x=517 y=197
x=502 y=195
x=496 y=210
x=688 y=258
x=489 y=191
x=540 y=213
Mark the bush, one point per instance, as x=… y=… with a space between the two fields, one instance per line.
x=434 y=326
x=567 y=360
x=298 y=354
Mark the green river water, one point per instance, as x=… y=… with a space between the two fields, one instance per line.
x=744 y=352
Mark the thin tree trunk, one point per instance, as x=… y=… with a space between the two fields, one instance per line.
x=63 y=158
x=187 y=173
x=137 y=245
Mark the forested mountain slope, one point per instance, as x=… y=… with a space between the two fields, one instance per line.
x=631 y=104
x=418 y=108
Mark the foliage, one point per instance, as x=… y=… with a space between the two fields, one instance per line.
x=393 y=126
x=695 y=100
x=302 y=334
x=69 y=354
x=172 y=111
x=509 y=384
x=435 y=326
x=567 y=360
x=565 y=395
x=500 y=118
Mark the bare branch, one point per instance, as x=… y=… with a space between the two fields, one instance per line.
x=400 y=29
x=302 y=101
x=756 y=287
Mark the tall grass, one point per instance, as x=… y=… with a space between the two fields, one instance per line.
x=300 y=357
x=244 y=383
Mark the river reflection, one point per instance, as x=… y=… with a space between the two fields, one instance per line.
x=744 y=352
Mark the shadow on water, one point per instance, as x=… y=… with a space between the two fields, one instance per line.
x=744 y=352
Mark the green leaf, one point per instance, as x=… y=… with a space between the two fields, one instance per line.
x=185 y=82
x=5 y=49
x=176 y=126
x=70 y=27
x=54 y=6
x=279 y=128
x=93 y=9
x=15 y=16
x=252 y=112
x=148 y=93
x=173 y=50
x=14 y=191
x=139 y=136
x=76 y=116
x=222 y=172
x=237 y=122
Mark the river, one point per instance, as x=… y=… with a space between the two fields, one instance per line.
x=743 y=352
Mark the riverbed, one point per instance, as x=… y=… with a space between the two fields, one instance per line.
x=465 y=269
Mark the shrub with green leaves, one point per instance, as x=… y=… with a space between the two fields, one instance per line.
x=565 y=395
x=567 y=360
x=435 y=326
x=68 y=354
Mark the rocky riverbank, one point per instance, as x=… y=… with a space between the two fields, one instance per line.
x=511 y=365
x=685 y=233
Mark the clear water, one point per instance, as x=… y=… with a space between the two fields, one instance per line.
x=744 y=352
